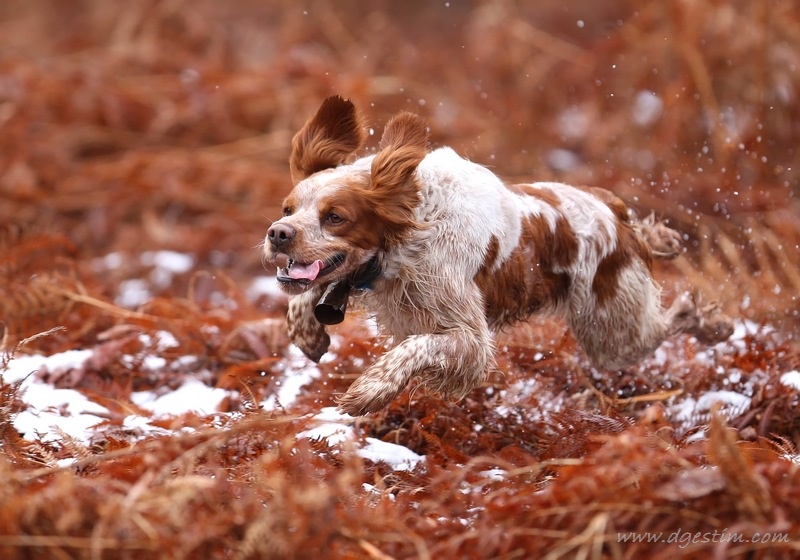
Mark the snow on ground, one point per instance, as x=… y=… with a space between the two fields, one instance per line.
x=296 y=374
x=688 y=410
x=791 y=379
x=337 y=428
x=193 y=396
x=52 y=412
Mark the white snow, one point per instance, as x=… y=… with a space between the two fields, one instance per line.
x=332 y=425
x=52 y=412
x=337 y=428
x=573 y=123
x=133 y=293
x=332 y=433
x=298 y=373
x=169 y=261
x=562 y=160
x=689 y=408
x=164 y=340
x=791 y=379
x=22 y=366
x=399 y=457
x=192 y=396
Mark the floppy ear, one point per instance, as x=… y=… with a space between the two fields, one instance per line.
x=327 y=139
x=393 y=192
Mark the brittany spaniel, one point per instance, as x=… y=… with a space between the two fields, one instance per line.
x=443 y=253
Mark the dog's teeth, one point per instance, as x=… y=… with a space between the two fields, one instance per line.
x=289 y=264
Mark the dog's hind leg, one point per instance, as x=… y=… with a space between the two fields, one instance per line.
x=628 y=327
x=707 y=323
x=664 y=242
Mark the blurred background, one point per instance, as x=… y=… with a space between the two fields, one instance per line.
x=134 y=130
x=144 y=151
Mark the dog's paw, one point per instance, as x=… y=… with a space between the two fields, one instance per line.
x=707 y=323
x=664 y=242
x=368 y=393
x=713 y=326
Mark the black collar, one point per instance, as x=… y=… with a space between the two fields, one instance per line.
x=364 y=278
x=332 y=305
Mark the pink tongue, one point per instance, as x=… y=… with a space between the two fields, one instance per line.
x=305 y=271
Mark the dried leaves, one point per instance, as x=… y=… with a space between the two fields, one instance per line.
x=143 y=151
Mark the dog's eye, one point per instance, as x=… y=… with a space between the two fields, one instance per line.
x=334 y=219
x=287 y=211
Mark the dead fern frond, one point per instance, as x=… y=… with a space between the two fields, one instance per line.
x=72 y=446
x=736 y=264
x=35 y=299
x=29 y=249
x=748 y=491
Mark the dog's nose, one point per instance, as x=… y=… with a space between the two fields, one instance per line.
x=280 y=235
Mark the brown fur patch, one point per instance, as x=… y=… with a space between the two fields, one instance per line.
x=526 y=282
x=393 y=194
x=362 y=227
x=544 y=194
x=629 y=246
x=615 y=203
x=327 y=139
x=492 y=251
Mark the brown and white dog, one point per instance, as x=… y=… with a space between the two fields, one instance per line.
x=443 y=253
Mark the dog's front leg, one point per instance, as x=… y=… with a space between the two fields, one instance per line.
x=305 y=331
x=451 y=363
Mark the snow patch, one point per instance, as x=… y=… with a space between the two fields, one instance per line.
x=21 y=366
x=169 y=261
x=192 y=396
x=133 y=293
x=336 y=428
x=690 y=408
x=52 y=411
x=298 y=373
x=647 y=108
x=791 y=379
x=399 y=457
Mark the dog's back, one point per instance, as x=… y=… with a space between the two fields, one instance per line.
x=526 y=248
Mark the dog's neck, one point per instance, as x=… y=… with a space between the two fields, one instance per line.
x=365 y=277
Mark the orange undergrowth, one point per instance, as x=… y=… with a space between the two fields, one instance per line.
x=129 y=130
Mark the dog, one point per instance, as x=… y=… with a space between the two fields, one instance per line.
x=444 y=254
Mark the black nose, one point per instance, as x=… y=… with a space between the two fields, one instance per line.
x=280 y=235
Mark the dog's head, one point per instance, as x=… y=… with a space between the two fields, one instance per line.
x=342 y=213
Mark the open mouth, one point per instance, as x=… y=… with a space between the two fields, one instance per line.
x=304 y=273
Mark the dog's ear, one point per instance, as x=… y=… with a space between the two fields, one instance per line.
x=403 y=146
x=327 y=139
x=394 y=194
